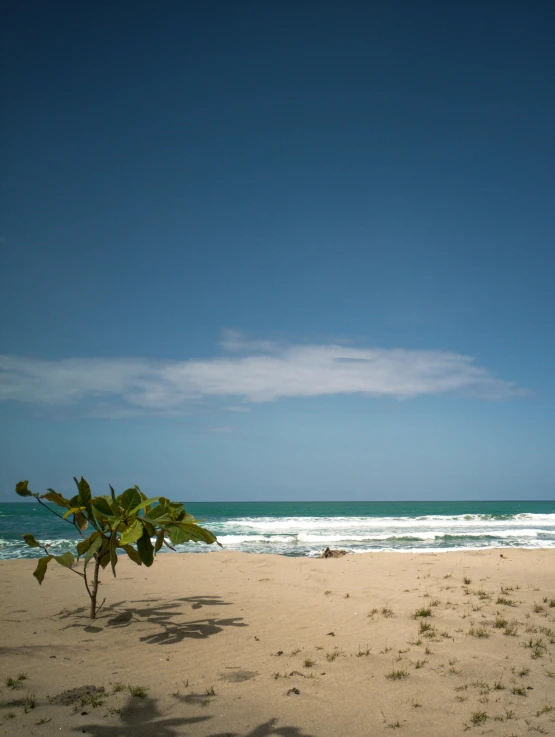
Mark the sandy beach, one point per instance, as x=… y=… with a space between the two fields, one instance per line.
x=256 y=645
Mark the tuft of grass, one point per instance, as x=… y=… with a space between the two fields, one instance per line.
x=16 y=683
x=94 y=700
x=30 y=703
x=478 y=632
x=424 y=627
x=511 y=629
x=517 y=691
x=467 y=581
x=420 y=664
x=387 y=612
x=296 y=651
x=330 y=657
x=500 y=622
x=545 y=710
x=505 y=602
x=138 y=692
x=308 y=663
x=363 y=653
x=118 y=687
x=44 y=720
x=498 y=685
x=422 y=612
x=397 y=675
x=327 y=593
x=210 y=691
x=372 y=613
x=478 y=717
x=113 y=711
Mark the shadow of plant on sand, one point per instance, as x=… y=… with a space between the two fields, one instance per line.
x=265 y=730
x=163 y=614
x=141 y=718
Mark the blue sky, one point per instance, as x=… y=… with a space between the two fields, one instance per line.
x=289 y=250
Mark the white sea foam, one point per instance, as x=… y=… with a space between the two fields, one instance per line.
x=433 y=521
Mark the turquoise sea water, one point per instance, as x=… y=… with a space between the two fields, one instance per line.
x=306 y=528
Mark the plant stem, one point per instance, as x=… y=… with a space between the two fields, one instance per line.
x=94 y=591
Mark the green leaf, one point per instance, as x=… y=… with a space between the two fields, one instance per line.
x=132 y=533
x=112 y=493
x=133 y=554
x=31 y=542
x=146 y=551
x=22 y=490
x=53 y=496
x=42 y=565
x=113 y=552
x=66 y=559
x=72 y=510
x=84 y=545
x=102 y=507
x=94 y=548
x=146 y=503
x=185 y=531
x=157 y=512
x=105 y=559
x=159 y=540
x=84 y=491
x=129 y=499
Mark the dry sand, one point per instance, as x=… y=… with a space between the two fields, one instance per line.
x=256 y=645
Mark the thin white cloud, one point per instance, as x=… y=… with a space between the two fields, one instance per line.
x=260 y=371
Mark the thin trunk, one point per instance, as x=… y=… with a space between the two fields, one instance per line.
x=94 y=589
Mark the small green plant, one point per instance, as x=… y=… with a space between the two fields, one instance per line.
x=16 y=683
x=500 y=622
x=423 y=612
x=117 y=687
x=467 y=581
x=478 y=717
x=330 y=657
x=511 y=629
x=210 y=691
x=397 y=675
x=478 y=632
x=505 y=602
x=30 y=703
x=44 y=720
x=518 y=691
x=387 y=612
x=118 y=523
x=308 y=663
x=137 y=692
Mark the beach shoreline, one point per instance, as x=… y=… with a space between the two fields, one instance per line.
x=426 y=643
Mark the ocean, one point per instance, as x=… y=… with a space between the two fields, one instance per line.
x=306 y=528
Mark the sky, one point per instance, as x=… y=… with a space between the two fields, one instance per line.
x=279 y=251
